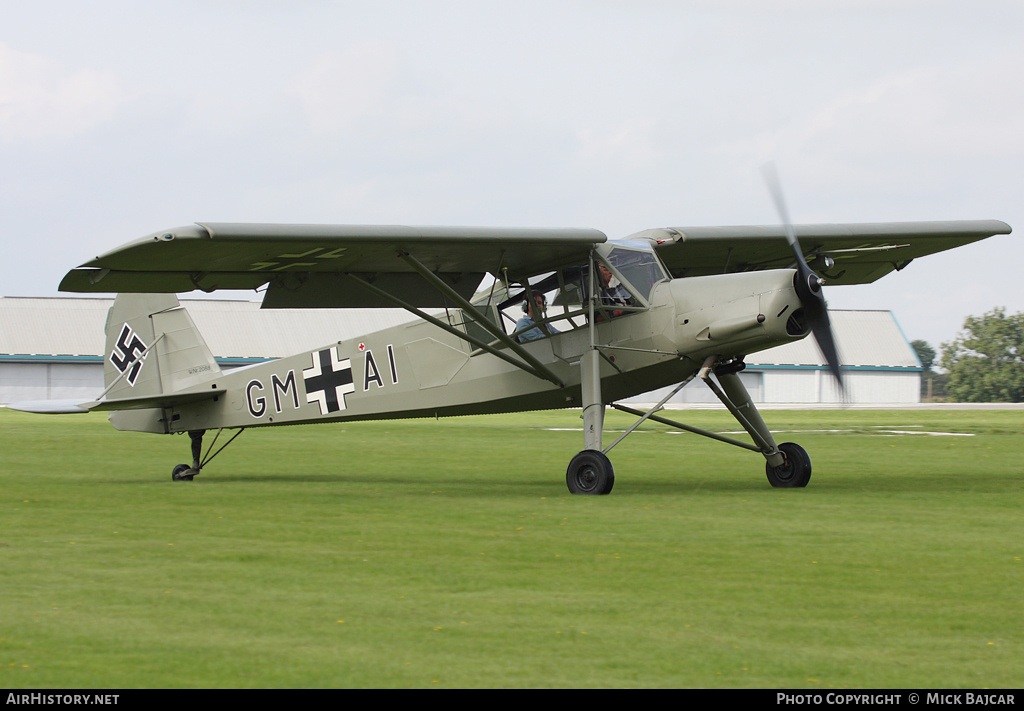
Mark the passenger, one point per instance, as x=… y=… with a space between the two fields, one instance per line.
x=534 y=313
x=613 y=293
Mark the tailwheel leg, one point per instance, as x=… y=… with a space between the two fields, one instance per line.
x=184 y=472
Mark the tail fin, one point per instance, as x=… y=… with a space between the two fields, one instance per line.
x=154 y=359
x=153 y=348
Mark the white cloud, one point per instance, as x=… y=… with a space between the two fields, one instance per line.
x=915 y=127
x=40 y=98
x=632 y=142
x=343 y=86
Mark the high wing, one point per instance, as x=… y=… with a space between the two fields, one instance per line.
x=330 y=266
x=863 y=253
x=313 y=265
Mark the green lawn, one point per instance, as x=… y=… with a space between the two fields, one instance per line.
x=450 y=554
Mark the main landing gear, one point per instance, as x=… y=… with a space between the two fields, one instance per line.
x=184 y=472
x=590 y=471
x=795 y=472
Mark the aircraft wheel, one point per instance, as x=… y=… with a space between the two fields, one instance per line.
x=590 y=472
x=179 y=471
x=795 y=472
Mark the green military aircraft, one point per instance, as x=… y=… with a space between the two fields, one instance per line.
x=658 y=308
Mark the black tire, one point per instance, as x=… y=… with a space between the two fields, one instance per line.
x=795 y=472
x=590 y=473
x=176 y=474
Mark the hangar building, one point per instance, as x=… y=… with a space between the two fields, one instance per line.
x=52 y=348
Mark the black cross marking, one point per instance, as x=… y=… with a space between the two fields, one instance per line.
x=328 y=380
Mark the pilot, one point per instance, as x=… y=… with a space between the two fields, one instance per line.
x=534 y=312
x=613 y=293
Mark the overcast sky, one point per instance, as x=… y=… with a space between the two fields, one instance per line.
x=118 y=119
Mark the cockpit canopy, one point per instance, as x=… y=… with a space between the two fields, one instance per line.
x=634 y=263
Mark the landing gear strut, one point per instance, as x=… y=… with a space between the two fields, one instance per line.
x=590 y=472
x=787 y=464
x=184 y=472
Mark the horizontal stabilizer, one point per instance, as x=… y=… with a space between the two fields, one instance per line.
x=70 y=407
x=150 y=401
x=50 y=407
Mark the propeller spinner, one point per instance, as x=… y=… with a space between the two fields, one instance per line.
x=808 y=284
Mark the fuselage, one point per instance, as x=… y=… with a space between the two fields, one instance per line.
x=417 y=369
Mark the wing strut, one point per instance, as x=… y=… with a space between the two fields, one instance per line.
x=542 y=373
x=470 y=311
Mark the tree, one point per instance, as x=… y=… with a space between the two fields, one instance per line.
x=985 y=361
x=925 y=354
x=933 y=385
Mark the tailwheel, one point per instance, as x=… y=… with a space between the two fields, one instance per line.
x=590 y=472
x=795 y=472
x=183 y=472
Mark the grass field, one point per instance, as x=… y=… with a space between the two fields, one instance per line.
x=450 y=554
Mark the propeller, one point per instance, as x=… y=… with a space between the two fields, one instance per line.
x=808 y=284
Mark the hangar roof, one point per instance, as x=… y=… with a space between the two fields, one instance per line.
x=863 y=338
x=232 y=329
x=240 y=329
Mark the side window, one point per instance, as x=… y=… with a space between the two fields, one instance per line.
x=490 y=312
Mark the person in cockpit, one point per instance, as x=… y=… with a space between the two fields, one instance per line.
x=534 y=312
x=613 y=293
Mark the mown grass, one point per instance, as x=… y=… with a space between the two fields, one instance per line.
x=449 y=553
